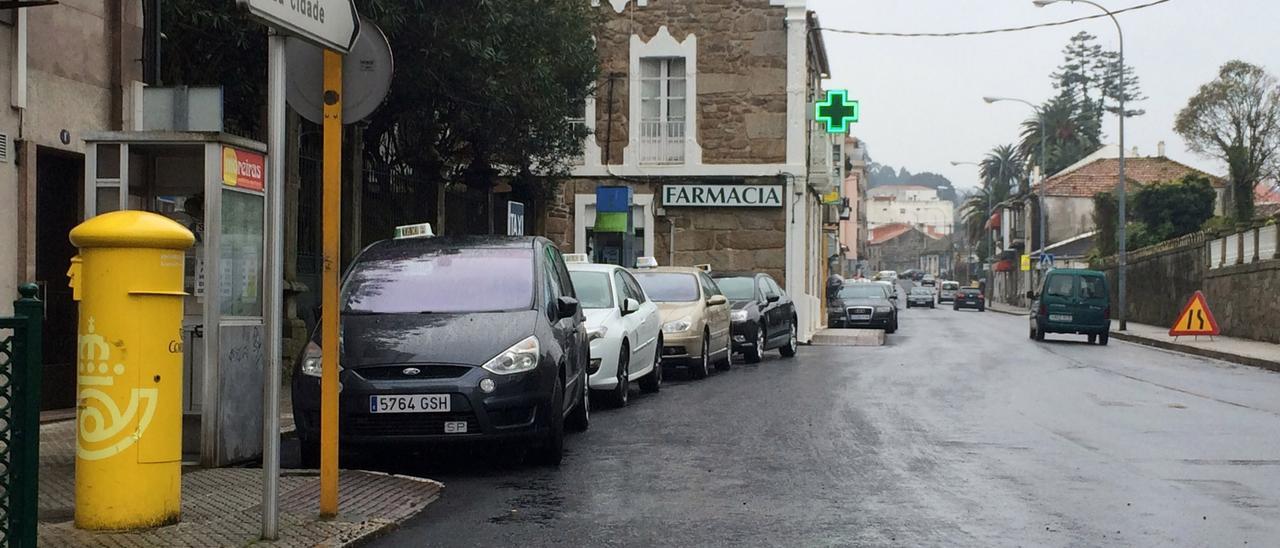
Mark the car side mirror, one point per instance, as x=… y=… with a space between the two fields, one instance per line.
x=630 y=306
x=1031 y=294
x=567 y=307
x=716 y=300
x=773 y=298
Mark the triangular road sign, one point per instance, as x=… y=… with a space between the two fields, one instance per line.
x=1195 y=319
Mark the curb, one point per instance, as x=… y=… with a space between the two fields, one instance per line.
x=1197 y=351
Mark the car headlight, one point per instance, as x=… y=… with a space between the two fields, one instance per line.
x=521 y=357
x=738 y=315
x=677 y=326
x=311 y=360
x=597 y=333
x=884 y=308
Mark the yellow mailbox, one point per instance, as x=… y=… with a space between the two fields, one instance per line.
x=129 y=379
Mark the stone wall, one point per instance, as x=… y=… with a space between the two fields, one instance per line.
x=901 y=253
x=741 y=81
x=751 y=239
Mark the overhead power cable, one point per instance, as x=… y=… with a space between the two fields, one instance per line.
x=989 y=31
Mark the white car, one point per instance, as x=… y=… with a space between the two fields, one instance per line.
x=624 y=327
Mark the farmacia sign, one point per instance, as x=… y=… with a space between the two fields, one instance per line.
x=722 y=195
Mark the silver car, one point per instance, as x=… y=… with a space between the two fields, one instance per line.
x=947 y=291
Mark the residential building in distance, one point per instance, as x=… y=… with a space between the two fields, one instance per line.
x=901 y=246
x=704 y=111
x=853 y=225
x=918 y=206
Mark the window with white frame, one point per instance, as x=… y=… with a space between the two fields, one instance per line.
x=662 y=110
x=579 y=124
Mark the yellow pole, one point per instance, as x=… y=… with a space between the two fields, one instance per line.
x=329 y=285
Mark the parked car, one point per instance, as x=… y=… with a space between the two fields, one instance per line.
x=624 y=327
x=763 y=317
x=453 y=339
x=947 y=291
x=1072 y=301
x=920 y=296
x=969 y=297
x=863 y=305
x=887 y=275
x=695 y=317
x=892 y=288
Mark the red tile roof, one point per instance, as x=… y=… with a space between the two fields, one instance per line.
x=888 y=232
x=1100 y=176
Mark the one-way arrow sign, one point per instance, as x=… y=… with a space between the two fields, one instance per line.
x=331 y=24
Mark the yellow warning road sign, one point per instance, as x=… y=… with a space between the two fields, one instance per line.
x=1195 y=319
x=1026 y=263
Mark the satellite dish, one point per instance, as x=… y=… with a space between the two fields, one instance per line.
x=366 y=75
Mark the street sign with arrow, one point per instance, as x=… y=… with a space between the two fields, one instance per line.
x=331 y=24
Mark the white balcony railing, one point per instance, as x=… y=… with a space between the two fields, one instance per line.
x=662 y=142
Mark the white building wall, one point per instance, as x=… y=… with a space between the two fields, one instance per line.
x=918 y=208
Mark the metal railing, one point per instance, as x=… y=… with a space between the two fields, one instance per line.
x=662 y=142
x=21 y=349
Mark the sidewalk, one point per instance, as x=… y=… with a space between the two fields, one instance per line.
x=222 y=506
x=1242 y=351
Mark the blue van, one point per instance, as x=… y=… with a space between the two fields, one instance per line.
x=1072 y=301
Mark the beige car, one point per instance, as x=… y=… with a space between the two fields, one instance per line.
x=695 y=317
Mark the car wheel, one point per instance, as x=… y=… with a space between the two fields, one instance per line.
x=622 y=392
x=793 y=343
x=753 y=354
x=982 y=309
x=1103 y=338
x=1031 y=332
x=727 y=362
x=551 y=451
x=1093 y=339
x=702 y=367
x=309 y=453
x=580 y=418
x=653 y=381
x=893 y=327
x=1039 y=334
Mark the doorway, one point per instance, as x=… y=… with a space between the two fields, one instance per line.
x=59 y=199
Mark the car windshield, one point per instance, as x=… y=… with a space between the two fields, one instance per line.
x=669 y=287
x=921 y=291
x=592 y=288
x=738 y=288
x=448 y=281
x=950 y=286
x=862 y=291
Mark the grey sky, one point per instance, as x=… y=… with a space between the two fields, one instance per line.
x=921 y=98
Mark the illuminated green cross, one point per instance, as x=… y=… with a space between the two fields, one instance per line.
x=837 y=111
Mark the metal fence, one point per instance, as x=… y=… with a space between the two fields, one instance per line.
x=20 y=363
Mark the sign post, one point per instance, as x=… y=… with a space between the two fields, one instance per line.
x=335 y=26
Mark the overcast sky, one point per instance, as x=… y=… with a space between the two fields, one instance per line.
x=921 y=98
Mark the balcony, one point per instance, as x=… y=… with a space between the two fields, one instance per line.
x=662 y=142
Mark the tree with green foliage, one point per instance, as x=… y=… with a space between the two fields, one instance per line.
x=1106 y=214
x=1236 y=119
x=1171 y=209
x=1000 y=170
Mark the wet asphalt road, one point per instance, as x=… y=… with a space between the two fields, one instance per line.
x=959 y=432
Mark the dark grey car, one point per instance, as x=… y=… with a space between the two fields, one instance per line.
x=863 y=305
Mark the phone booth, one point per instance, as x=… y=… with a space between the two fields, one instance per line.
x=213 y=184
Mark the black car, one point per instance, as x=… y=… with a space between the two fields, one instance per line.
x=969 y=297
x=453 y=339
x=920 y=296
x=863 y=305
x=762 y=316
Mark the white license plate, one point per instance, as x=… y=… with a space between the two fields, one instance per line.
x=455 y=427
x=410 y=403
x=860 y=317
x=1059 y=317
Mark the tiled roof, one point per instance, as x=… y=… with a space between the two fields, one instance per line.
x=885 y=233
x=1100 y=176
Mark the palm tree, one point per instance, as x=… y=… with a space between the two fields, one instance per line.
x=1073 y=132
x=1000 y=170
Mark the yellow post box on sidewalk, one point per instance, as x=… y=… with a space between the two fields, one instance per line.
x=129 y=379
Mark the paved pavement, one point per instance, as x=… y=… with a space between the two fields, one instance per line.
x=959 y=432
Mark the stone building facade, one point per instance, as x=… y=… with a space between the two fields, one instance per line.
x=69 y=69
x=900 y=247
x=712 y=99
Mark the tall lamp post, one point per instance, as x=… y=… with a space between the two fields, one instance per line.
x=1043 y=175
x=1120 y=232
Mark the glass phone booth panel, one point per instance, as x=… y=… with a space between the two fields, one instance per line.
x=196 y=180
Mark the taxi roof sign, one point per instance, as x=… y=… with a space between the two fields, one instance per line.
x=646 y=262
x=1195 y=319
x=577 y=258
x=420 y=230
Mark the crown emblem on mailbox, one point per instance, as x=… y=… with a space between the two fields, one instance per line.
x=104 y=427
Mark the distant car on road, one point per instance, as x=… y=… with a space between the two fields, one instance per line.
x=920 y=296
x=969 y=297
x=453 y=339
x=624 y=327
x=762 y=315
x=863 y=305
x=947 y=291
x=1072 y=301
x=928 y=280
x=887 y=275
x=695 y=317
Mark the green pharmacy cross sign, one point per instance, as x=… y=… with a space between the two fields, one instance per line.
x=837 y=111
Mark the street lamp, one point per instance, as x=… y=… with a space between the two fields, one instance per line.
x=991 y=241
x=1120 y=232
x=1043 y=174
